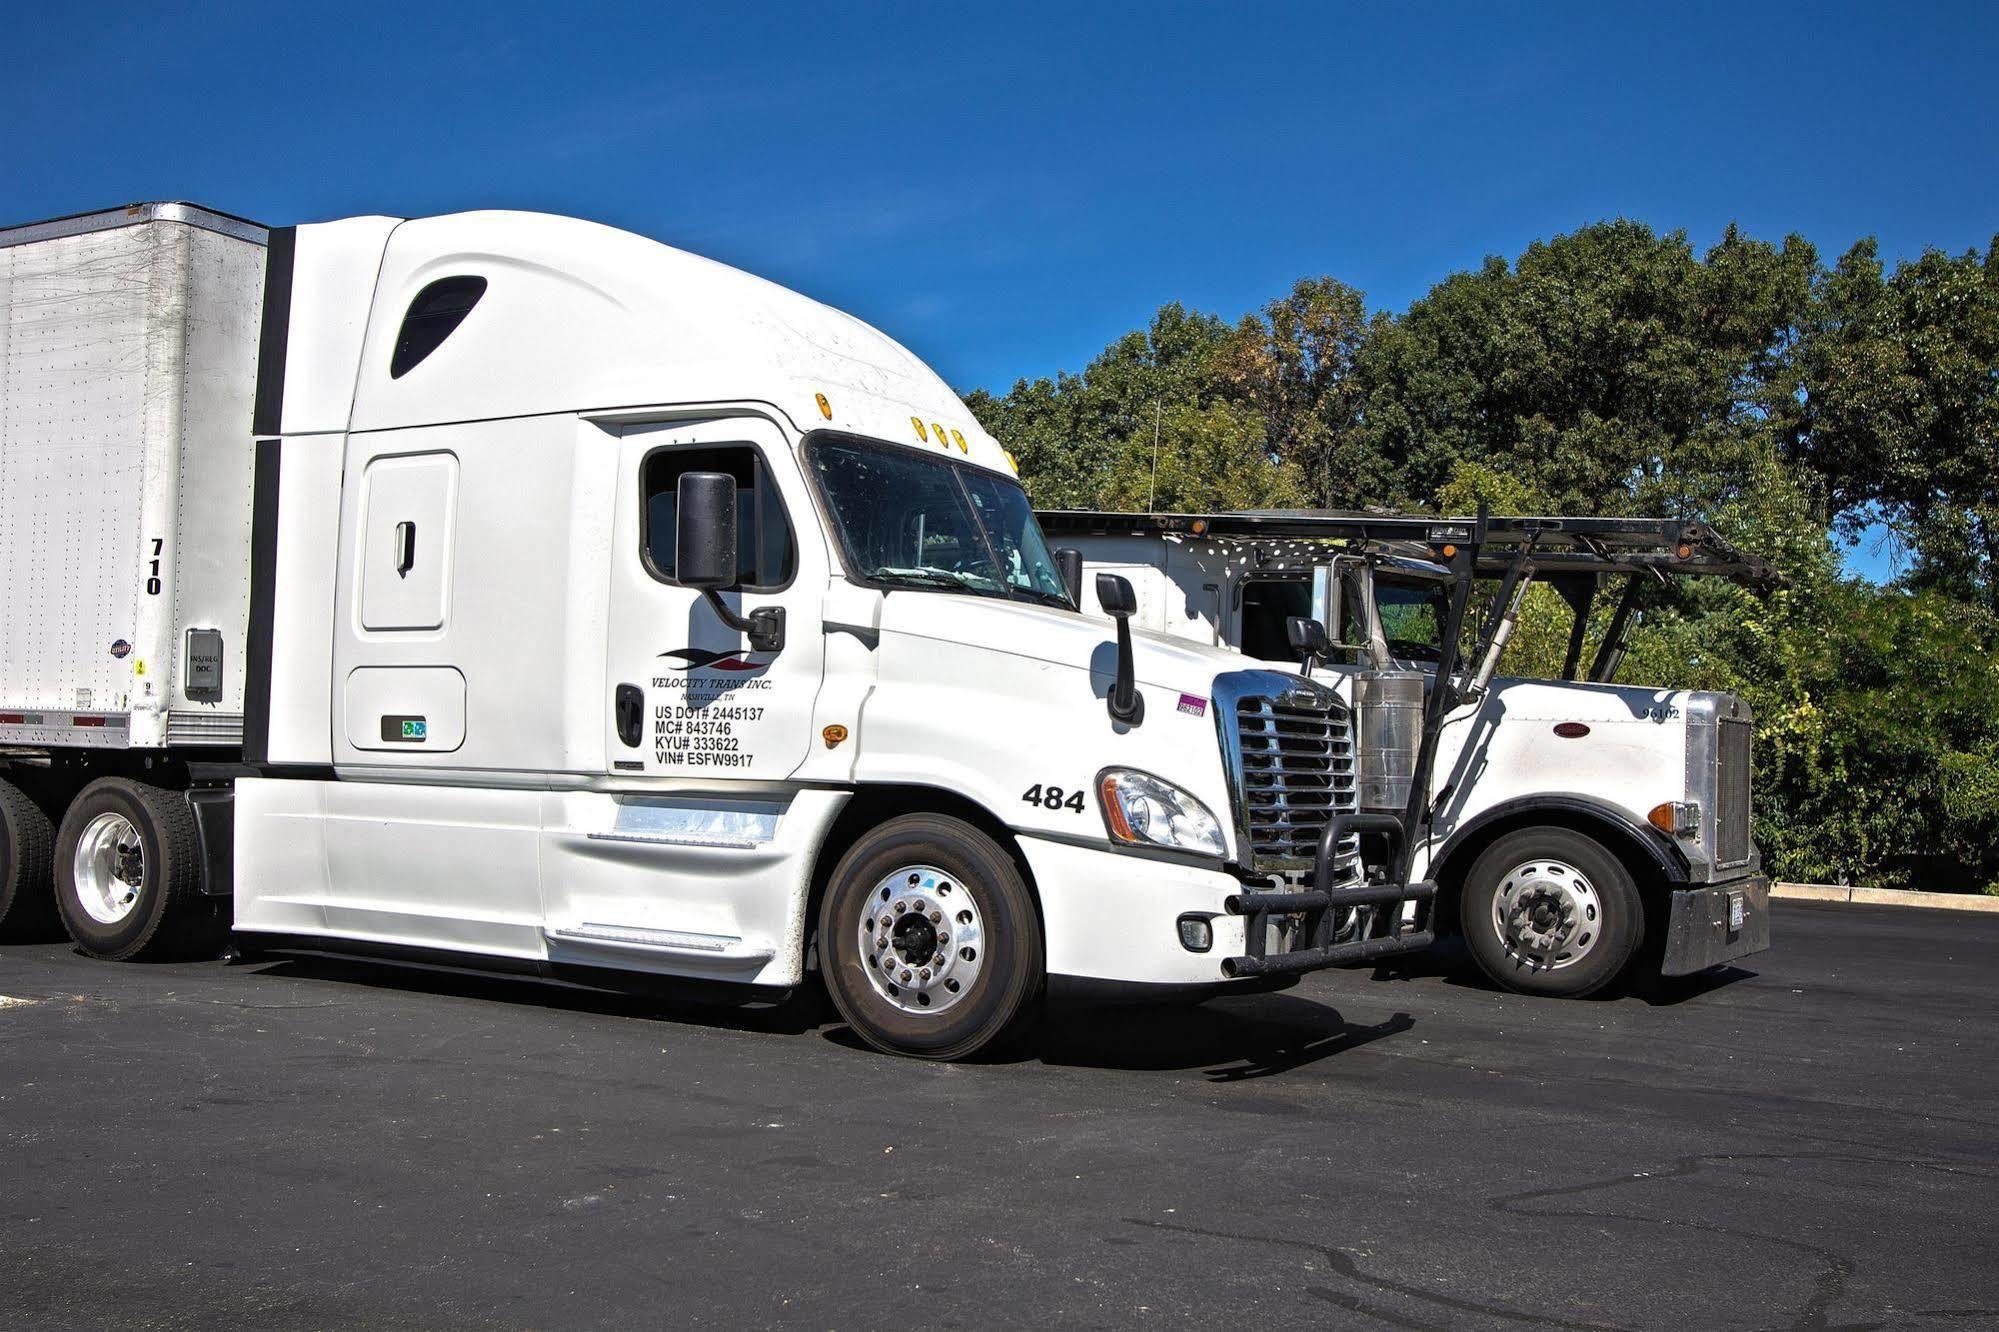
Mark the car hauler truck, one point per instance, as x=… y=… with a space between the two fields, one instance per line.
x=513 y=590
x=1564 y=822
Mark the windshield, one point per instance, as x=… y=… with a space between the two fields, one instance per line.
x=907 y=520
x=1412 y=615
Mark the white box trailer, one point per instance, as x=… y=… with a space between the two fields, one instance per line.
x=128 y=360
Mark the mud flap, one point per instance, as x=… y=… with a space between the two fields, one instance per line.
x=1709 y=926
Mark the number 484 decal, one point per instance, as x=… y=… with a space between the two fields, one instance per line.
x=1054 y=797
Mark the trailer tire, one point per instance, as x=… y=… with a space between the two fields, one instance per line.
x=27 y=853
x=128 y=873
x=951 y=958
x=1551 y=911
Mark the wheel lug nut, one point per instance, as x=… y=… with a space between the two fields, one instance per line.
x=905 y=978
x=936 y=916
x=924 y=974
x=936 y=961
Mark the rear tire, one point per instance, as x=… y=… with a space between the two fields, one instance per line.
x=1551 y=911
x=27 y=850
x=128 y=874
x=949 y=959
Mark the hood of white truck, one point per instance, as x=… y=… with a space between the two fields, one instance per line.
x=1057 y=637
x=1569 y=700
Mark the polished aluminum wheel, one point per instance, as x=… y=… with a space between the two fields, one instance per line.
x=1548 y=914
x=923 y=942
x=109 y=869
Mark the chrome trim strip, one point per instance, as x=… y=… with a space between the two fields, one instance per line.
x=726 y=946
x=669 y=839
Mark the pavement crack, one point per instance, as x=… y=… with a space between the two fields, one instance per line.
x=1828 y=1284
x=1344 y=1264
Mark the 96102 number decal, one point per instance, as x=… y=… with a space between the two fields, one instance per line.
x=1054 y=797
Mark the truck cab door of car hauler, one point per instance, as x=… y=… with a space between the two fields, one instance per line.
x=702 y=874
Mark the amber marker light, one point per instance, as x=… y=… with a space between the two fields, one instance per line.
x=825 y=407
x=959 y=440
x=1114 y=811
x=1677 y=818
x=922 y=432
x=1450 y=552
x=942 y=438
x=833 y=734
x=1200 y=526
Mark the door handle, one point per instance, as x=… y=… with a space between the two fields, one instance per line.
x=631 y=709
x=405 y=548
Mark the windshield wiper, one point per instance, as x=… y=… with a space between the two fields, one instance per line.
x=1035 y=594
x=927 y=577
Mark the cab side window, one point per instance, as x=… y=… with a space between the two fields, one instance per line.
x=1266 y=604
x=765 y=555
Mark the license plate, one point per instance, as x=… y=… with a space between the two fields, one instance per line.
x=1737 y=910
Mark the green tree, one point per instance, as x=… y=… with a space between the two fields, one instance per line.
x=1294 y=364
x=1898 y=408
x=1611 y=366
x=1208 y=459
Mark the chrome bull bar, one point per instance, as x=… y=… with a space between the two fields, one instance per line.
x=1381 y=935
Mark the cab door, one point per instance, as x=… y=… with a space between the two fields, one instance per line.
x=697 y=874
x=686 y=696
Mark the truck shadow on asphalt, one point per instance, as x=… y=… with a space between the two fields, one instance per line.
x=1233 y=1039
x=722 y=1009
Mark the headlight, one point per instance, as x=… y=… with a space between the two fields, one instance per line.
x=1141 y=810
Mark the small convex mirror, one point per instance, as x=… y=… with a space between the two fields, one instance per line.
x=1306 y=636
x=1114 y=594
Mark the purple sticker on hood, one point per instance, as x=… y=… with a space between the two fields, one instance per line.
x=1193 y=706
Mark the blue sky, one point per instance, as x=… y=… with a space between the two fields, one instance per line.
x=1005 y=188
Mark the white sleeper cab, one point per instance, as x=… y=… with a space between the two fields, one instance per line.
x=513 y=590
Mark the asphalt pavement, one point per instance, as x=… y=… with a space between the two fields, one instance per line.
x=1807 y=1140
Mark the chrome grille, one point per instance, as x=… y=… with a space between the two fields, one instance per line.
x=1297 y=758
x=1731 y=822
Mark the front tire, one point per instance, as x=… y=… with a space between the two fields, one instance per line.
x=930 y=940
x=1551 y=911
x=128 y=873
x=27 y=841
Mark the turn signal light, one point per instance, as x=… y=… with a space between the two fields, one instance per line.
x=825 y=407
x=1114 y=810
x=1679 y=818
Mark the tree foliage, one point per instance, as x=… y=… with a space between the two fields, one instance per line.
x=1617 y=370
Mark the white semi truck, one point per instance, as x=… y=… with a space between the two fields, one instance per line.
x=1566 y=822
x=512 y=590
